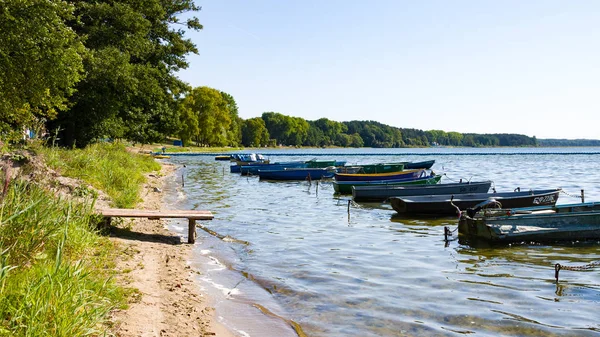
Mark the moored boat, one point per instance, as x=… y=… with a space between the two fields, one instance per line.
x=252 y=169
x=380 y=193
x=567 y=222
x=345 y=187
x=245 y=159
x=297 y=173
x=223 y=158
x=373 y=168
x=446 y=204
x=408 y=174
x=418 y=165
x=322 y=163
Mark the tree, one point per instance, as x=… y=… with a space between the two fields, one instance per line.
x=254 y=132
x=40 y=61
x=133 y=55
x=234 y=134
x=213 y=115
x=189 y=121
x=357 y=141
x=455 y=138
x=277 y=126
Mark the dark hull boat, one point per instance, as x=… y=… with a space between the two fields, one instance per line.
x=447 y=204
x=569 y=222
x=252 y=169
x=380 y=193
x=418 y=165
x=291 y=173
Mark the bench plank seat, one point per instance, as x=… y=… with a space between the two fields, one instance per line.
x=191 y=215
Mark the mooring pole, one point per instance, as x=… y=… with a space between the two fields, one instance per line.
x=582 y=196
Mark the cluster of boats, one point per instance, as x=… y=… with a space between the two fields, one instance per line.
x=412 y=188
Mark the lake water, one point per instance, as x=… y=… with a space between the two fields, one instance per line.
x=287 y=258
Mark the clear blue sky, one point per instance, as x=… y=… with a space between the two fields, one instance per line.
x=527 y=67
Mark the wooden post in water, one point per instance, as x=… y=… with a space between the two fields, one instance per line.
x=191 y=230
x=582 y=196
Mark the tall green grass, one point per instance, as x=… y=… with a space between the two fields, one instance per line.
x=55 y=275
x=108 y=167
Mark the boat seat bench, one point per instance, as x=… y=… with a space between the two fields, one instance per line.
x=191 y=215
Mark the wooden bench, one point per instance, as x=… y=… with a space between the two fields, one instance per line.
x=192 y=216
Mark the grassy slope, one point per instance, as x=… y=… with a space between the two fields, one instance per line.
x=55 y=267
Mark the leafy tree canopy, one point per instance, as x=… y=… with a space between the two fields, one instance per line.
x=40 y=61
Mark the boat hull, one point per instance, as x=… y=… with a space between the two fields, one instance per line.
x=345 y=187
x=409 y=174
x=419 y=165
x=380 y=193
x=296 y=174
x=254 y=168
x=538 y=224
x=377 y=168
x=442 y=204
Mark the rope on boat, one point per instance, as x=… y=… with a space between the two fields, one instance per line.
x=457 y=180
x=558 y=267
x=581 y=196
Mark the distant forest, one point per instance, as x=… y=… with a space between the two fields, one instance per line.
x=568 y=142
x=276 y=129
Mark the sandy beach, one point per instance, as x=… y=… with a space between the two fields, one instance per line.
x=154 y=261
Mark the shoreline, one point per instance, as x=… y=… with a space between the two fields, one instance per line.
x=154 y=261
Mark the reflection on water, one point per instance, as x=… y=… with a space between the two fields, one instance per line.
x=298 y=252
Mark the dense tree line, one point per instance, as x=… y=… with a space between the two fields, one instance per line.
x=293 y=131
x=568 y=142
x=86 y=70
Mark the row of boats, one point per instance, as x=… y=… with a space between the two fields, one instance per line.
x=412 y=188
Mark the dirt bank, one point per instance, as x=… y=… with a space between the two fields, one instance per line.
x=154 y=261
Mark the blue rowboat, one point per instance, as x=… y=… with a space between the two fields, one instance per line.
x=252 y=169
x=345 y=187
x=408 y=174
x=297 y=173
x=567 y=222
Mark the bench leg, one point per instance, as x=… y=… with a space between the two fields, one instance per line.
x=192 y=231
x=105 y=224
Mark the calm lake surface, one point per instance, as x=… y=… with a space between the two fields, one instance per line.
x=283 y=257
